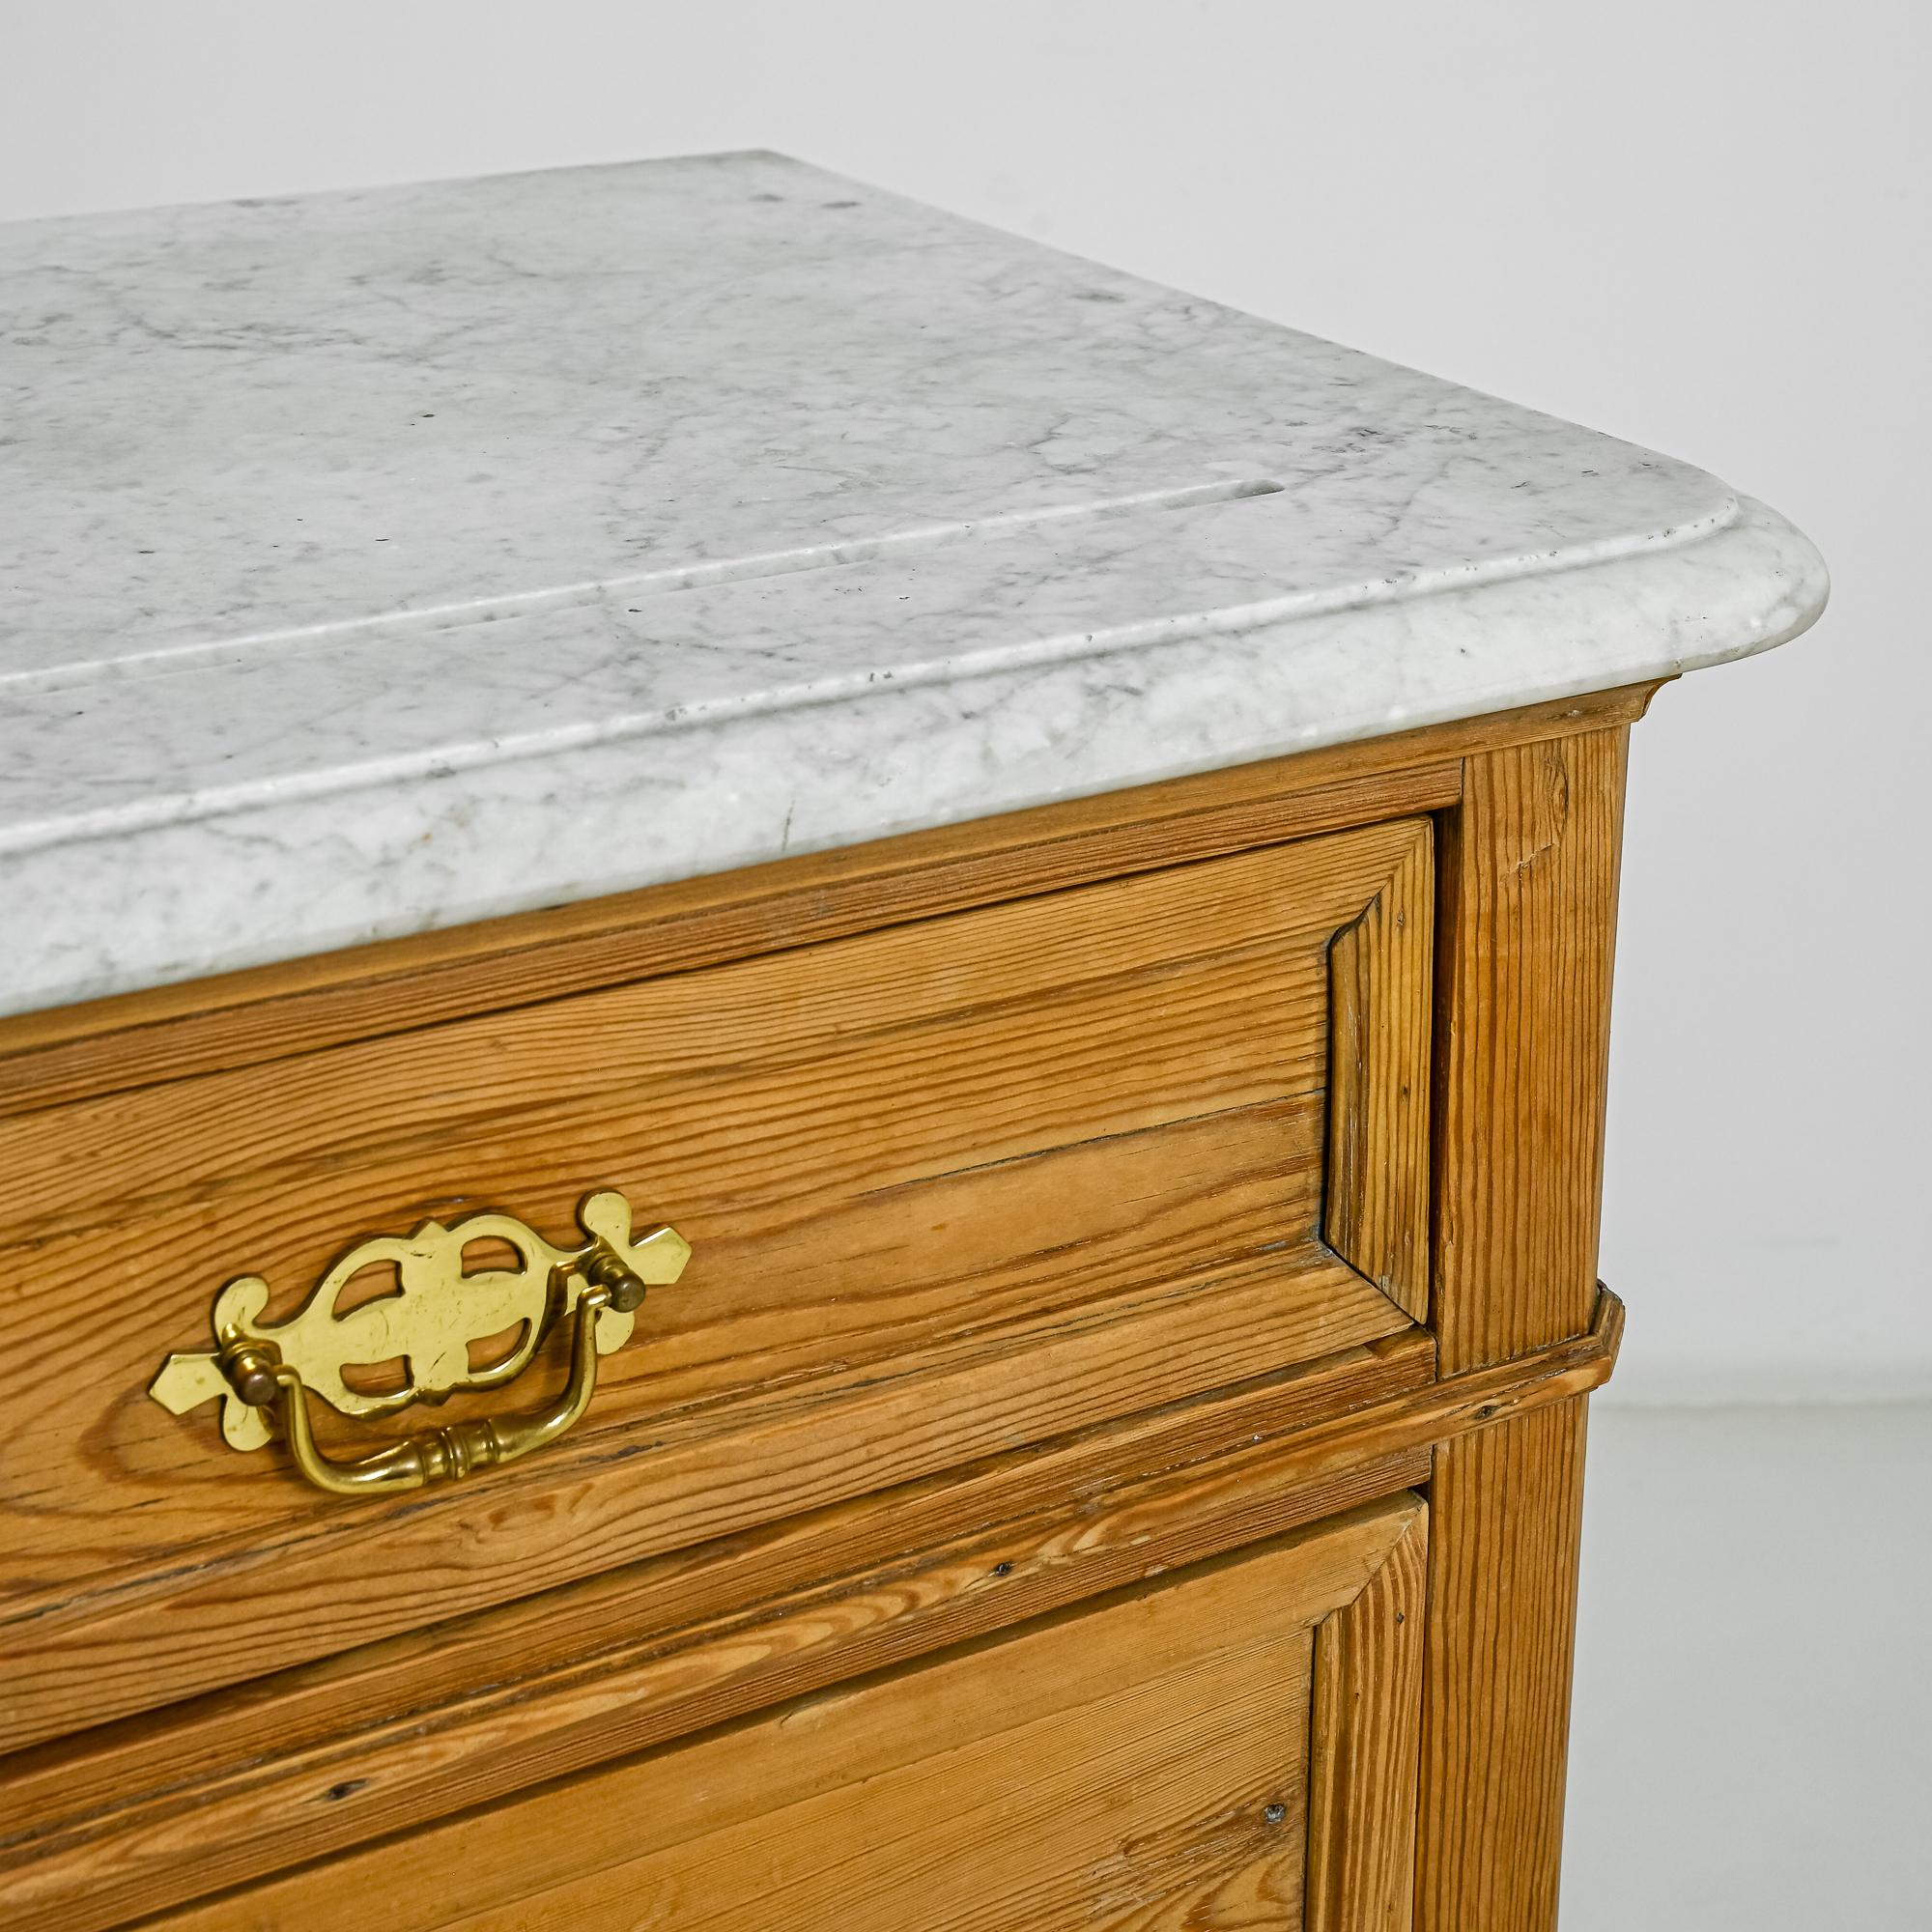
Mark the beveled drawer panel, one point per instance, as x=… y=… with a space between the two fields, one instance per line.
x=949 y=1186
x=1234 y=1745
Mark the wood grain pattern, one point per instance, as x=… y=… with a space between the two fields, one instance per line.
x=950 y=1186
x=236 y=1018
x=1528 y=870
x=1527 y=916
x=1134 y=1804
x=1139 y=1764
x=1363 y=1739
x=164 y=1807
x=1506 y=1505
x=174 y=1804
x=1375 y=1212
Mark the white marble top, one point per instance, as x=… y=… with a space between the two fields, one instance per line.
x=380 y=560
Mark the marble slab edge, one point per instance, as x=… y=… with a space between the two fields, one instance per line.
x=283 y=878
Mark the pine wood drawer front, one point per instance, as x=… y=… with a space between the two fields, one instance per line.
x=1232 y=1745
x=951 y=1186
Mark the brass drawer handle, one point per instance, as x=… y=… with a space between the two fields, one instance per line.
x=430 y=1323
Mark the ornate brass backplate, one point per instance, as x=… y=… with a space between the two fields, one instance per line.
x=429 y=1322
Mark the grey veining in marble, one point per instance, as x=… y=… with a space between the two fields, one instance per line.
x=377 y=561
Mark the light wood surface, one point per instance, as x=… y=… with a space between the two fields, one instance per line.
x=154 y=1809
x=1528 y=928
x=949 y=1186
x=1528 y=872
x=1502 y=1614
x=1376 y=1204
x=1362 y=1745
x=1143 y=1763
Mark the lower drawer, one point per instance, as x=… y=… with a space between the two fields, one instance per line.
x=1232 y=1745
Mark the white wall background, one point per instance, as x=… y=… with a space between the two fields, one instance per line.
x=1701 y=224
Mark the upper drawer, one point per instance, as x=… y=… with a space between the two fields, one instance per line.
x=949 y=1186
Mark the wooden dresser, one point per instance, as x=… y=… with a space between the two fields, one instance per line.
x=804 y=1091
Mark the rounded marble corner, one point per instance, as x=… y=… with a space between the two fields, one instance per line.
x=1749 y=587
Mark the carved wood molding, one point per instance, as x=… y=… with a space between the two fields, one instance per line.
x=1375 y=1209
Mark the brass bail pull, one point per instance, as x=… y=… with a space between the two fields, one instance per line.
x=259 y=1370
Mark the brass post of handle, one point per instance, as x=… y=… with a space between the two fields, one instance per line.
x=260 y=1369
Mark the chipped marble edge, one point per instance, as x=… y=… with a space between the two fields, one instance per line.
x=282 y=879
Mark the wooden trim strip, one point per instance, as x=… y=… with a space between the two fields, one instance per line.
x=1362 y=1737
x=270 y=1013
x=1507 y=1513
x=1374 y=1193
x=1527 y=876
x=1527 y=873
x=248 y=1781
